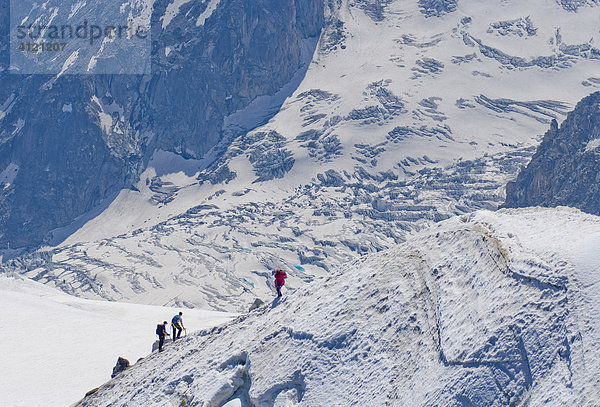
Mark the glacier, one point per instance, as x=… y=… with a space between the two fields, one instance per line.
x=403 y=118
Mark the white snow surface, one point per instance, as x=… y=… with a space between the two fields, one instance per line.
x=172 y=11
x=210 y=8
x=592 y=145
x=8 y=175
x=70 y=61
x=487 y=309
x=57 y=347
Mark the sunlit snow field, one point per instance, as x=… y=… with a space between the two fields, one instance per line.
x=56 y=347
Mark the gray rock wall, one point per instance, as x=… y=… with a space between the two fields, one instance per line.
x=565 y=170
x=69 y=160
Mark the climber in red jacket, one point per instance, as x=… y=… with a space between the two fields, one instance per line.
x=280 y=277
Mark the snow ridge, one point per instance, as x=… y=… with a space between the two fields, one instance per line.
x=479 y=310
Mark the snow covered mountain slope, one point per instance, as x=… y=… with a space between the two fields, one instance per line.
x=488 y=309
x=410 y=112
x=56 y=347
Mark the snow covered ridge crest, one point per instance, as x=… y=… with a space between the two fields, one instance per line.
x=488 y=309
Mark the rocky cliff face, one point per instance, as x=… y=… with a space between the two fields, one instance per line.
x=70 y=142
x=565 y=170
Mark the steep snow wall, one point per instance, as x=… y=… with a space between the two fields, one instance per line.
x=490 y=309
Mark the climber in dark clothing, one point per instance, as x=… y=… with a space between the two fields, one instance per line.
x=280 y=277
x=161 y=331
x=177 y=324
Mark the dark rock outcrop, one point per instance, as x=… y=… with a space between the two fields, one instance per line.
x=93 y=391
x=256 y=304
x=122 y=365
x=565 y=170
